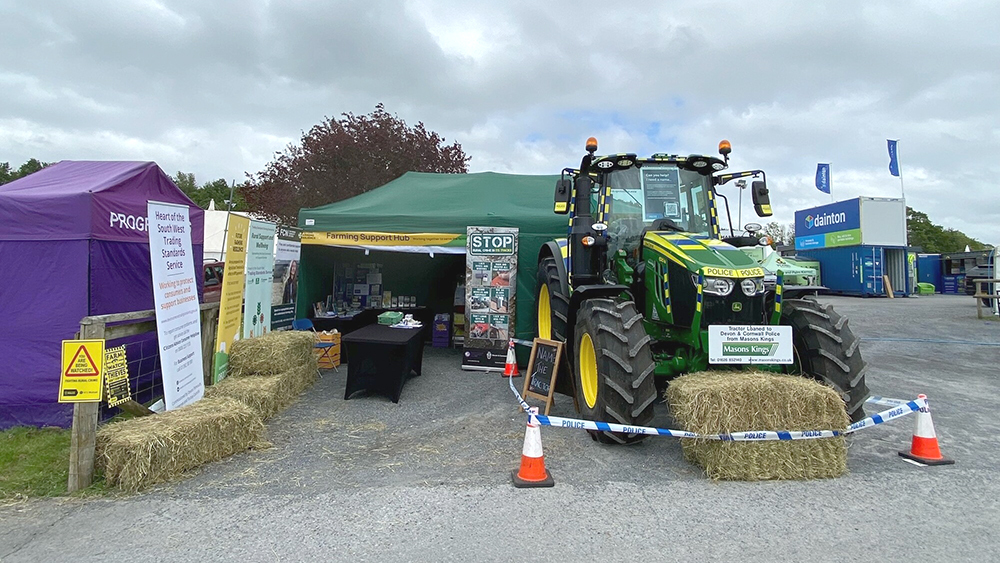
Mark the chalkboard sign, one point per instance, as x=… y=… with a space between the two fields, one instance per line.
x=542 y=369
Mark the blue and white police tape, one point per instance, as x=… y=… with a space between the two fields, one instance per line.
x=900 y=409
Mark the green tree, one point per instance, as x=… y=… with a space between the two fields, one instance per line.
x=341 y=158
x=780 y=234
x=186 y=183
x=8 y=174
x=217 y=190
x=922 y=232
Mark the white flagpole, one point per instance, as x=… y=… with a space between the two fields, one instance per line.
x=899 y=166
x=829 y=179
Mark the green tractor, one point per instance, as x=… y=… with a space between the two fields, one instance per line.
x=643 y=280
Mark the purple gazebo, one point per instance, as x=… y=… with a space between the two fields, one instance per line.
x=73 y=243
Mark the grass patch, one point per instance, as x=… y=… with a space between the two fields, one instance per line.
x=34 y=462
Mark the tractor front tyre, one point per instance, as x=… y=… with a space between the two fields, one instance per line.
x=552 y=305
x=613 y=368
x=827 y=350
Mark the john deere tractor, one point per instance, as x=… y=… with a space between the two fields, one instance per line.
x=643 y=275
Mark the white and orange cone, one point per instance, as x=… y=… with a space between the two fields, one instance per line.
x=510 y=368
x=532 y=472
x=924 y=448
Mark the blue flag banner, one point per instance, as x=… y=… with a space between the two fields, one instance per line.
x=823 y=178
x=893 y=160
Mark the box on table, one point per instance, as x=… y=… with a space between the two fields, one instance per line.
x=390 y=318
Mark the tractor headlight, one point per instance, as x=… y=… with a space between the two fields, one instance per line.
x=716 y=286
x=752 y=286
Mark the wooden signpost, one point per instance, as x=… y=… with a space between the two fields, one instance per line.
x=543 y=367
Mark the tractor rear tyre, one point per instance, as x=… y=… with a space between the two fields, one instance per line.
x=827 y=350
x=613 y=368
x=552 y=305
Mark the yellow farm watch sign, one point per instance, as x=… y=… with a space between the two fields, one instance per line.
x=82 y=371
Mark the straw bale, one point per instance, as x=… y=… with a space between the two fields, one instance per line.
x=272 y=353
x=139 y=452
x=268 y=395
x=738 y=401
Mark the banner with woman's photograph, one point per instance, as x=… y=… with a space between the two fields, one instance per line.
x=490 y=283
x=285 y=285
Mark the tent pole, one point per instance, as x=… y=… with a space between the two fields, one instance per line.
x=225 y=232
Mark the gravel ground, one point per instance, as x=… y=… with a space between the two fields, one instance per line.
x=429 y=478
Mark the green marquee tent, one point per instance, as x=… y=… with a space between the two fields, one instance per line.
x=426 y=214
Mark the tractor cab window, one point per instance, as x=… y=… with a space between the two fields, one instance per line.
x=642 y=196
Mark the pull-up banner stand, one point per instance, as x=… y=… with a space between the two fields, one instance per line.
x=175 y=295
x=490 y=291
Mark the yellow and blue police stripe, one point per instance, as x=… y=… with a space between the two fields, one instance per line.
x=701 y=284
x=779 y=287
x=713 y=213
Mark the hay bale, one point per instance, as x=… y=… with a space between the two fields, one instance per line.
x=272 y=353
x=267 y=395
x=139 y=452
x=300 y=378
x=724 y=402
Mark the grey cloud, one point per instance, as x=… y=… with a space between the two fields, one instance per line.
x=217 y=87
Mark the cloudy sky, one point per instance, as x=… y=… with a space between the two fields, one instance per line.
x=217 y=87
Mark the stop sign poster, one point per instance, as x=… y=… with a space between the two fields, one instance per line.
x=490 y=288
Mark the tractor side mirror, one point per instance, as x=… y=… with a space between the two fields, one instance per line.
x=564 y=191
x=761 y=201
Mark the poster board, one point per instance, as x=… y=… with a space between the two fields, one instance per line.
x=285 y=283
x=543 y=367
x=175 y=296
x=490 y=282
x=231 y=301
x=259 y=279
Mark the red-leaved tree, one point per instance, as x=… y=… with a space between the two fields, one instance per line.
x=338 y=159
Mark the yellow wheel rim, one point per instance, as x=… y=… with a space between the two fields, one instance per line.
x=587 y=360
x=544 y=314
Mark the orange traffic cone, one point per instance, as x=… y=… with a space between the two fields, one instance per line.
x=510 y=368
x=924 y=448
x=532 y=472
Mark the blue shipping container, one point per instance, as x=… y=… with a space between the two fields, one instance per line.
x=859 y=270
x=929 y=270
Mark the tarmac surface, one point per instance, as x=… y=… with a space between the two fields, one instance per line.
x=428 y=479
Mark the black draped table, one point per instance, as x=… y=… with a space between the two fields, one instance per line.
x=382 y=358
